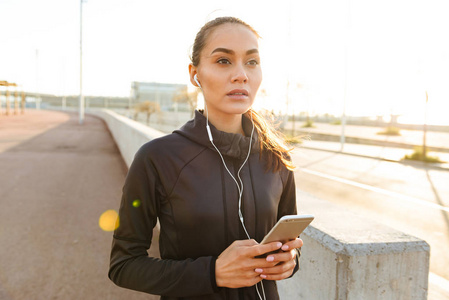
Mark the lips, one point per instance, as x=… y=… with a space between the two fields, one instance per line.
x=238 y=92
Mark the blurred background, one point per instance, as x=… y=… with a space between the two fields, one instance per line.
x=376 y=58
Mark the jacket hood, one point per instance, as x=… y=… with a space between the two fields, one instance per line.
x=229 y=144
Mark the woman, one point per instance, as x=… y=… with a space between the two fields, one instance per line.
x=217 y=186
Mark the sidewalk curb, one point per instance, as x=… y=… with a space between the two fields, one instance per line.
x=329 y=137
x=411 y=162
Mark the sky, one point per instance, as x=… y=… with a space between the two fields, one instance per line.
x=365 y=57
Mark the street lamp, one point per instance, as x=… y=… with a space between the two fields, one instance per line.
x=343 y=116
x=424 y=146
x=81 y=100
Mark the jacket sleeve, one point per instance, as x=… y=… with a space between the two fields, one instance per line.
x=287 y=206
x=130 y=265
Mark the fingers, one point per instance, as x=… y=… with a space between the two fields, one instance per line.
x=293 y=244
x=261 y=249
x=239 y=265
x=235 y=266
x=249 y=278
x=284 y=264
x=282 y=256
x=251 y=248
x=250 y=242
x=280 y=271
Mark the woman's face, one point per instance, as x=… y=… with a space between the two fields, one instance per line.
x=229 y=69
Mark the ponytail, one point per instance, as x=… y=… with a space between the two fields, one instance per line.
x=271 y=142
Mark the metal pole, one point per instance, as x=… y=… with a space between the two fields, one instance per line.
x=7 y=101
x=63 y=100
x=16 y=103
x=22 y=104
x=37 y=80
x=424 y=147
x=289 y=51
x=81 y=101
x=343 y=117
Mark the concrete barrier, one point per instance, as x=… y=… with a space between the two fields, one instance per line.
x=128 y=134
x=345 y=256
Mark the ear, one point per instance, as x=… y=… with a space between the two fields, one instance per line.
x=193 y=71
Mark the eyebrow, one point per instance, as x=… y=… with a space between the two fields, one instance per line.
x=229 y=51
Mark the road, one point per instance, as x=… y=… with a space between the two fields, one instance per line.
x=409 y=198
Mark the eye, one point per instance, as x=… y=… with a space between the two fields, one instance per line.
x=253 y=62
x=223 y=61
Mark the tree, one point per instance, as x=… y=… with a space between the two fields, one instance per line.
x=191 y=98
x=147 y=107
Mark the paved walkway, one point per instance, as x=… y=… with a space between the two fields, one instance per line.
x=56 y=179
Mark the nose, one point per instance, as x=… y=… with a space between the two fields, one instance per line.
x=240 y=75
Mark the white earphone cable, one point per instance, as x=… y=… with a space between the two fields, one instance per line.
x=239 y=187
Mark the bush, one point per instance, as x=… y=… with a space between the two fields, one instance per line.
x=418 y=155
x=292 y=140
x=336 y=122
x=391 y=130
x=308 y=124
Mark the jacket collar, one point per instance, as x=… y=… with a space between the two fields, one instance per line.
x=229 y=144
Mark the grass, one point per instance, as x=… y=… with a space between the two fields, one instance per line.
x=418 y=155
x=391 y=130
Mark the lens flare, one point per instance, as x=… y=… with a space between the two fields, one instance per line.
x=109 y=220
x=136 y=203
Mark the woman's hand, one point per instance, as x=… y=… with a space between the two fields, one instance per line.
x=237 y=266
x=285 y=262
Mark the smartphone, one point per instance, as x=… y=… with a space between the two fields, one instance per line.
x=288 y=228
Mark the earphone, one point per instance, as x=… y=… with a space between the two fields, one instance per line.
x=239 y=187
x=195 y=77
x=209 y=133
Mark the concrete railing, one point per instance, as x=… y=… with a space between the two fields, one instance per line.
x=128 y=134
x=345 y=256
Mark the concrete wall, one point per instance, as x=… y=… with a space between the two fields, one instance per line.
x=128 y=134
x=344 y=256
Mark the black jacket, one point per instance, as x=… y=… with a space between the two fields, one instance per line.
x=181 y=180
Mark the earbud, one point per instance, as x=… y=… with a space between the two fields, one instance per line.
x=195 y=77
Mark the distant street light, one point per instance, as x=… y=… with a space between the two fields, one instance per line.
x=37 y=80
x=424 y=147
x=343 y=116
x=81 y=100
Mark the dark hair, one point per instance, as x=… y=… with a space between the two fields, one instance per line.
x=271 y=141
x=207 y=29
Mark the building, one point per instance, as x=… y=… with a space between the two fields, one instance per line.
x=163 y=93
